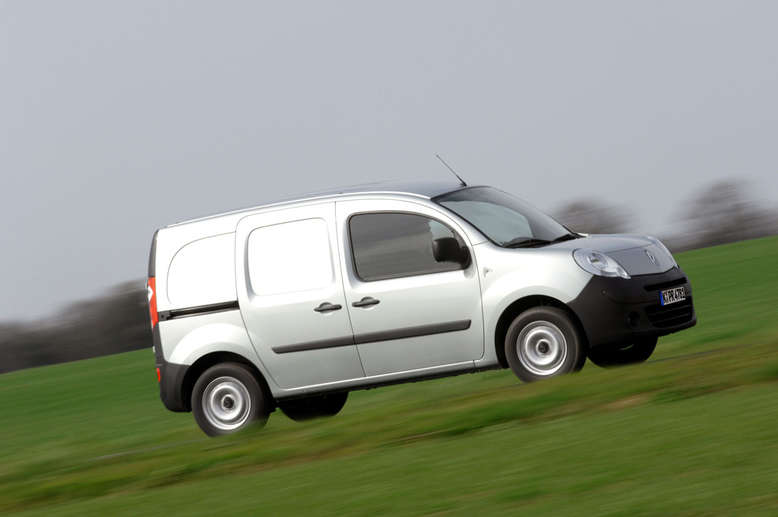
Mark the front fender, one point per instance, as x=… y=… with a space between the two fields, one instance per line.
x=510 y=275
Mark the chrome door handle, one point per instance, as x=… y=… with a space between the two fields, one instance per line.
x=367 y=301
x=327 y=307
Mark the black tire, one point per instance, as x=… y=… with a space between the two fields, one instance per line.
x=227 y=398
x=549 y=335
x=621 y=355
x=578 y=366
x=316 y=406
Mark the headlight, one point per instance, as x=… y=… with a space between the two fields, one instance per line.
x=598 y=263
x=662 y=247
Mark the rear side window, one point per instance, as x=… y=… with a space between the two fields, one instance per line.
x=203 y=272
x=290 y=257
x=394 y=245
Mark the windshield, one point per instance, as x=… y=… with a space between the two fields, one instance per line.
x=504 y=219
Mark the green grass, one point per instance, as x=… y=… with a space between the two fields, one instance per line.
x=693 y=435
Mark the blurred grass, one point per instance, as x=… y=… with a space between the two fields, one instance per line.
x=692 y=435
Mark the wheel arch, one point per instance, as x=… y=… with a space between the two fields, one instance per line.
x=521 y=305
x=211 y=359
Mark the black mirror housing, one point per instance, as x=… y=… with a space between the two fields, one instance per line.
x=449 y=249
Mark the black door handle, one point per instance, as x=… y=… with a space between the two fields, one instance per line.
x=367 y=301
x=327 y=307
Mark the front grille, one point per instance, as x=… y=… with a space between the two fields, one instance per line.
x=664 y=316
x=666 y=285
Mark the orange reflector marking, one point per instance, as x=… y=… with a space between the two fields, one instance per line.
x=159 y=376
x=151 y=287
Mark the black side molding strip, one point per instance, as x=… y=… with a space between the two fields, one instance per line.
x=420 y=330
x=198 y=310
x=314 y=345
x=371 y=337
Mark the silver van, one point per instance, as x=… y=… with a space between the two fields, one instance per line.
x=296 y=303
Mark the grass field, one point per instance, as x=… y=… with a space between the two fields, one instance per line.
x=694 y=432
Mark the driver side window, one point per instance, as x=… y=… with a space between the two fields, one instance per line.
x=394 y=245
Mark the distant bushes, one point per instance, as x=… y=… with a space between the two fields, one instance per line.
x=721 y=213
x=725 y=212
x=113 y=323
x=592 y=216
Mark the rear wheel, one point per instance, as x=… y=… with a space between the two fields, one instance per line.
x=227 y=398
x=543 y=342
x=631 y=353
x=316 y=406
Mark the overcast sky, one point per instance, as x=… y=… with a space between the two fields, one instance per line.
x=120 y=117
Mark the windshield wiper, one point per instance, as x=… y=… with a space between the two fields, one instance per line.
x=567 y=237
x=530 y=242
x=524 y=242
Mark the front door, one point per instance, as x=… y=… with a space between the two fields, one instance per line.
x=291 y=296
x=408 y=311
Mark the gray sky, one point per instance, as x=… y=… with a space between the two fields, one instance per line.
x=120 y=117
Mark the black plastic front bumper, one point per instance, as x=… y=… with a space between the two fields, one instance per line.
x=171 y=378
x=616 y=310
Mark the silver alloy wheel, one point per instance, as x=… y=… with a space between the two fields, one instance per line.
x=542 y=348
x=226 y=403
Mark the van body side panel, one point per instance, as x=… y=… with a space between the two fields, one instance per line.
x=291 y=296
x=374 y=381
x=202 y=272
x=170 y=241
x=199 y=335
x=185 y=340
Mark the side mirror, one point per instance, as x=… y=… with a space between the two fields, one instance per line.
x=448 y=249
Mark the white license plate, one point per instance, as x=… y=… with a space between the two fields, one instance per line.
x=674 y=295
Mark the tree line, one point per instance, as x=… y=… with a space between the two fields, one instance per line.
x=723 y=212
x=117 y=321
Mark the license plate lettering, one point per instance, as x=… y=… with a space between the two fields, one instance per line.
x=674 y=295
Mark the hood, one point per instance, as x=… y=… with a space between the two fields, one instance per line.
x=633 y=252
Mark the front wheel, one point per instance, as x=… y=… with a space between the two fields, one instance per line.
x=227 y=398
x=543 y=342
x=315 y=406
x=631 y=353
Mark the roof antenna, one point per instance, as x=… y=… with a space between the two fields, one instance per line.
x=452 y=170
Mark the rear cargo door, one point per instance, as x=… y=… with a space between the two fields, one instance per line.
x=291 y=296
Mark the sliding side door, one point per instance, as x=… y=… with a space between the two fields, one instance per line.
x=291 y=296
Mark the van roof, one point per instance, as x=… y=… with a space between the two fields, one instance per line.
x=425 y=189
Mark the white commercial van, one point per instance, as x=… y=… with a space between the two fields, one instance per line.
x=294 y=304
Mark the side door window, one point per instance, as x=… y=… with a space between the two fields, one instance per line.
x=394 y=245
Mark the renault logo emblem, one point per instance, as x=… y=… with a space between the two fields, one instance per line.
x=651 y=257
